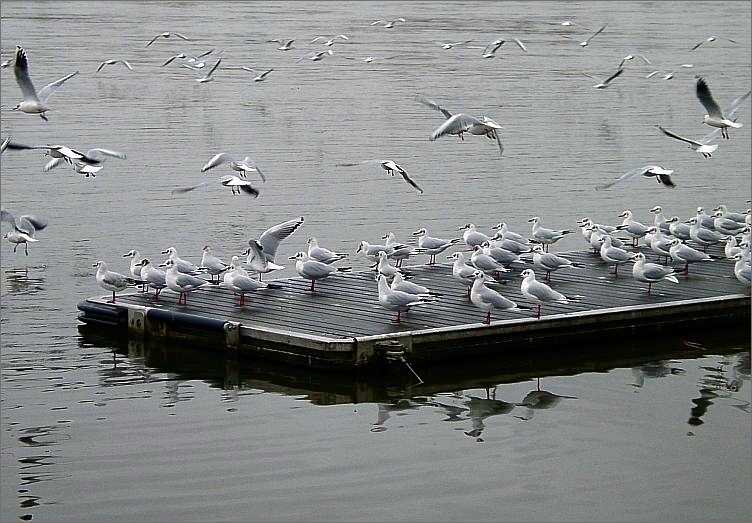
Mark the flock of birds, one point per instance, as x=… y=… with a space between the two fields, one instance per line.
x=490 y=255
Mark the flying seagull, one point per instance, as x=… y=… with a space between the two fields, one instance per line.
x=599 y=31
x=246 y=165
x=461 y=123
x=660 y=174
x=605 y=83
x=702 y=147
x=208 y=77
x=715 y=117
x=34 y=102
x=113 y=62
x=166 y=35
x=712 y=39
x=390 y=166
x=237 y=185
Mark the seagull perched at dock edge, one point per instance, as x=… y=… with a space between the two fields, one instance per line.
x=34 y=102
x=488 y=299
x=113 y=281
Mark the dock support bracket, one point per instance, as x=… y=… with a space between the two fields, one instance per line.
x=137 y=320
x=232 y=334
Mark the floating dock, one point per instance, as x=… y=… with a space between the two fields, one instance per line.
x=342 y=325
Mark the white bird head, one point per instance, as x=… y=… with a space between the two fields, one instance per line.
x=528 y=273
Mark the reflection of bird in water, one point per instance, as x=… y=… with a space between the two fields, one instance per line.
x=701 y=405
x=483 y=408
x=656 y=369
x=385 y=410
x=540 y=399
x=19 y=281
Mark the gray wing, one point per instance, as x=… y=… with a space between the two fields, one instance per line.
x=153 y=40
x=98 y=153
x=115 y=279
x=735 y=104
x=217 y=159
x=48 y=89
x=186 y=280
x=544 y=292
x=181 y=36
x=271 y=237
x=496 y=299
x=317 y=269
x=21 y=70
x=435 y=106
x=550 y=259
x=626 y=176
x=181 y=190
x=706 y=99
x=455 y=124
x=55 y=162
x=433 y=243
x=520 y=44
x=654 y=272
x=244 y=185
x=29 y=224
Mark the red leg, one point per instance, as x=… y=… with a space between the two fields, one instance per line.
x=488 y=318
x=649 y=285
x=313 y=285
x=398 y=315
x=537 y=314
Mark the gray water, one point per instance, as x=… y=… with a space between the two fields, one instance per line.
x=95 y=431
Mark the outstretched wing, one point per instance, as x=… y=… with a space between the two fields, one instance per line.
x=52 y=164
x=454 y=125
x=433 y=105
x=271 y=237
x=21 y=70
x=733 y=107
x=706 y=99
x=97 y=153
x=616 y=74
x=520 y=44
x=181 y=36
x=626 y=176
x=676 y=136
x=181 y=190
x=48 y=89
x=410 y=181
x=217 y=159
x=243 y=185
x=153 y=40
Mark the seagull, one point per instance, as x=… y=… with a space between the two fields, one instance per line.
x=243 y=166
x=715 y=117
x=24 y=229
x=605 y=83
x=368 y=59
x=539 y=292
x=314 y=270
x=705 y=219
x=261 y=76
x=286 y=45
x=490 y=50
x=113 y=62
x=599 y=31
x=485 y=262
x=632 y=228
x=651 y=273
x=702 y=147
x=501 y=255
x=712 y=39
x=211 y=264
x=153 y=277
x=34 y=102
x=401 y=284
x=678 y=229
x=166 y=35
x=397 y=300
x=258 y=260
x=384 y=267
x=372 y=250
x=488 y=299
x=742 y=269
x=315 y=252
x=330 y=41
x=632 y=57
x=274 y=235
x=472 y=237
x=449 y=45
x=660 y=243
x=194 y=59
x=731 y=249
x=237 y=185
x=461 y=270
x=208 y=77
x=520 y=44
x=506 y=234
x=112 y=281
x=5 y=143
x=701 y=235
x=661 y=175
x=550 y=262
x=461 y=123
x=726 y=225
x=181 y=265
x=319 y=55
x=736 y=216
x=432 y=246
x=686 y=254
x=400 y=251
x=238 y=281
x=545 y=236
x=180 y=282
x=88 y=164
x=390 y=166
x=135 y=265
x=614 y=255
x=388 y=24
x=508 y=244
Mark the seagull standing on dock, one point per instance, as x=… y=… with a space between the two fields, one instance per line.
x=614 y=255
x=34 y=102
x=432 y=246
x=545 y=236
x=472 y=237
x=154 y=277
x=539 y=292
x=238 y=281
x=742 y=269
x=651 y=273
x=488 y=299
x=397 y=300
x=632 y=228
x=276 y=234
x=257 y=259
x=112 y=281
x=315 y=252
x=136 y=267
x=180 y=264
x=550 y=262
x=461 y=270
x=314 y=270
x=180 y=282
x=686 y=254
x=211 y=264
